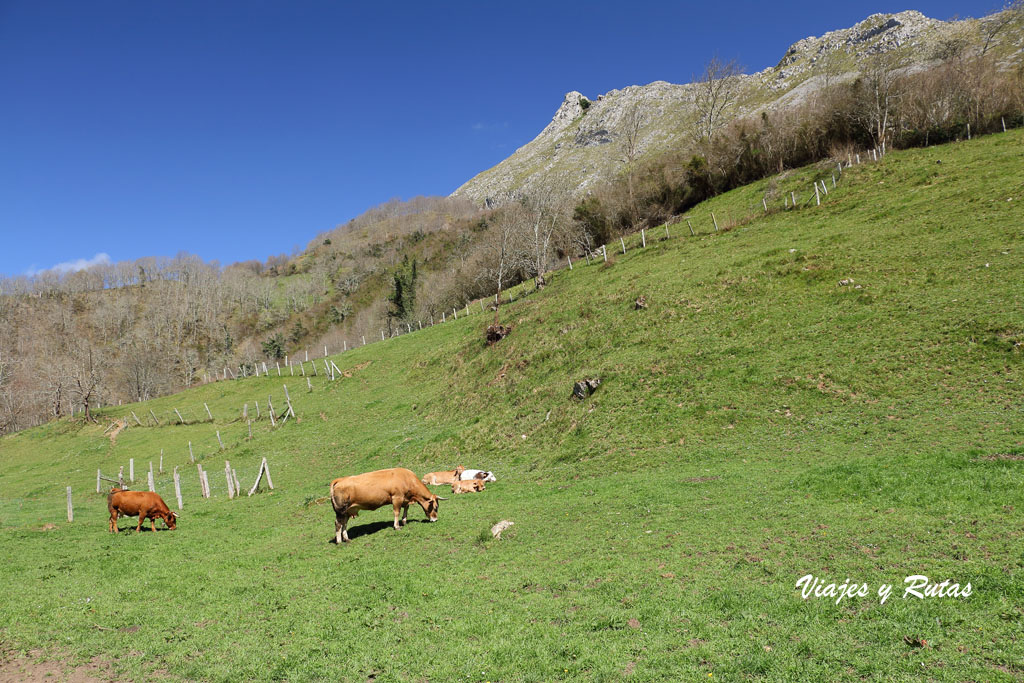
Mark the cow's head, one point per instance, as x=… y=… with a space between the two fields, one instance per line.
x=430 y=506
x=171 y=518
x=459 y=469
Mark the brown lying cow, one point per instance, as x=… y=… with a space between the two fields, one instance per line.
x=145 y=504
x=468 y=486
x=446 y=477
x=372 y=490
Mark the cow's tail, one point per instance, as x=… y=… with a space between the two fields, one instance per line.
x=340 y=506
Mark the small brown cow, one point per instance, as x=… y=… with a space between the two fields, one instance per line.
x=144 y=504
x=441 y=478
x=468 y=486
x=372 y=490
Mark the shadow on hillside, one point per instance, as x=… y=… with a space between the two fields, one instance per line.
x=355 y=532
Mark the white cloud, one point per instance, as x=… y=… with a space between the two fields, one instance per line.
x=101 y=258
x=485 y=126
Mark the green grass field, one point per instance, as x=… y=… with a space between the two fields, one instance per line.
x=758 y=422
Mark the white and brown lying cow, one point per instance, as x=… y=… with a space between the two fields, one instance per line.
x=482 y=475
x=469 y=486
x=144 y=504
x=369 y=491
x=446 y=477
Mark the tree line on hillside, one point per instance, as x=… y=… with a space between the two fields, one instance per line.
x=140 y=329
x=890 y=104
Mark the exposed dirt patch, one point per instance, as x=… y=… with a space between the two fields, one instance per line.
x=500 y=376
x=33 y=668
x=356 y=368
x=115 y=429
x=1000 y=456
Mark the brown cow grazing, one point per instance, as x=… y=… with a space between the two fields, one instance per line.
x=372 y=490
x=446 y=477
x=468 y=486
x=144 y=504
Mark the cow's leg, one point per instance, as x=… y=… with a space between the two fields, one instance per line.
x=344 y=528
x=398 y=511
x=339 y=527
x=113 y=521
x=405 y=514
x=152 y=524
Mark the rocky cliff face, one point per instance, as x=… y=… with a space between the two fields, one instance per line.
x=586 y=141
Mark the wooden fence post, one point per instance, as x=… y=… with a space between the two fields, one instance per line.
x=177 y=486
x=690 y=225
x=817 y=197
x=190 y=455
x=206 y=483
x=98 y=476
x=266 y=468
x=120 y=477
x=604 y=250
x=131 y=470
x=714 y=220
x=309 y=385
x=570 y=268
x=71 y=512
x=152 y=486
x=623 y=245
x=278 y=368
x=227 y=475
x=250 y=422
x=219 y=440
x=363 y=337
x=270 y=409
x=137 y=420
x=792 y=199
x=238 y=486
x=161 y=461
x=208 y=413
x=643 y=238
x=257 y=409
x=764 y=203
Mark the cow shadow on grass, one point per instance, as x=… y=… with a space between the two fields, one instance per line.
x=145 y=529
x=355 y=532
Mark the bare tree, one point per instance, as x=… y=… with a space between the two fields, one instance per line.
x=880 y=80
x=632 y=122
x=996 y=23
x=504 y=246
x=717 y=92
x=87 y=373
x=544 y=217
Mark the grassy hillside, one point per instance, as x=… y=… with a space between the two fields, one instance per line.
x=756 y=423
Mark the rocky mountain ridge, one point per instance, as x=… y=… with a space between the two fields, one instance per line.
x=583 y=143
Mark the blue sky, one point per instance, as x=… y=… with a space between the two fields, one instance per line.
x=237 y=130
